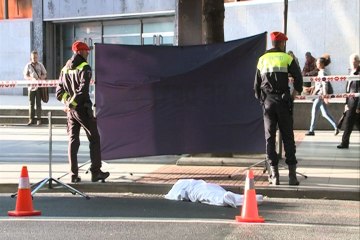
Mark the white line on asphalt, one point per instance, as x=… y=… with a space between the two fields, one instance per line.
x=164 y=220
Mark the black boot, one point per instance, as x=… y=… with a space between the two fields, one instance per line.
x=75 y=179
x=99 y=176
x=292 y=175
x=274 y=178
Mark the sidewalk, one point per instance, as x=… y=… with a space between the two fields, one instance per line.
x=22 y=102
x=331 y=173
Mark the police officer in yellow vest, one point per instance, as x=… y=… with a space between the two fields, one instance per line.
x=272 y=90
x=73 y=91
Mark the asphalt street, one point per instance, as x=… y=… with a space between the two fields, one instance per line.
x=141 y=216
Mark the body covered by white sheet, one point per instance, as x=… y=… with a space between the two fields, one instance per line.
x=209 y=193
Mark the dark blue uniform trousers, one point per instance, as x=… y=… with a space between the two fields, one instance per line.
x=277 y=112
x=75 y=120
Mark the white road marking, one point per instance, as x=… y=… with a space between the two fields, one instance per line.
x=165 y=220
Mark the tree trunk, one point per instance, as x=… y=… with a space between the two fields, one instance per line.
x=213 y=19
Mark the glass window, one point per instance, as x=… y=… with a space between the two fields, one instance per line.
x=158 y=31
x=129 y=40
x=68 y=38
x=122 y=27
x=122 y=32
x=158 y=26
x=87 y=30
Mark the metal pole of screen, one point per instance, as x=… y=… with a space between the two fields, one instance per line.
x=49 y=179
x=279 y=140
x=50 y=149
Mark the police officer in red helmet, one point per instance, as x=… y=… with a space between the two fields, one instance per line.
x=73 y=91
x=271 y=88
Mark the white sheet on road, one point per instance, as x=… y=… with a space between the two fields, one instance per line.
x=209 y=193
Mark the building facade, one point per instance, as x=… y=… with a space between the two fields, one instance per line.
x=50 y=27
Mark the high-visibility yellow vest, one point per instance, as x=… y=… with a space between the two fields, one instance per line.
x=274 y=62
x=66 y=95
x=78 y=68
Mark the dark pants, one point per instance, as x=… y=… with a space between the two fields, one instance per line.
x=34 y=98
x=351 y=118
x=278 y=113
x=75 y=120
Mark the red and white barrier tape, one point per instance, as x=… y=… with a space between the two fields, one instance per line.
x=329 y=96
x=31 y=83
x=334 y=78
x=54 y=83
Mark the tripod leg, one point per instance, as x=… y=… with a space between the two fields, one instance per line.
x=36 y=187
x=255 y=164
x=39 y=185
x=301 y=174
x=43 y=182
x=85 y=163
x=71 y=189
x=32 y=187
x=63 y=175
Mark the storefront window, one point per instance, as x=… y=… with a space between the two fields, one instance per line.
x=158 y=31
x=122 y=32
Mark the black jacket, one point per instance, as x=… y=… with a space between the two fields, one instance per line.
x=354 y=87
x=74 y=82
x=272 y=75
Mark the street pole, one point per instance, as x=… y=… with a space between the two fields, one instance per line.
x=285 y=16
x=280 y=145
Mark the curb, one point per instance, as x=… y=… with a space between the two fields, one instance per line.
x=162 y=189
x=243 y=161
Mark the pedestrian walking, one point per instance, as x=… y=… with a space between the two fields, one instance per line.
x=320 y=103
x=352 y=106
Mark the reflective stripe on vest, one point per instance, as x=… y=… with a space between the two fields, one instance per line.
x=64 y=97
x=274 y=62
x=79 y=67
x=72 y=101
x=72 y=71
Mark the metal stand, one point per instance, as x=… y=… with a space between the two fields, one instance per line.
x=50 y=179
x=266 y=168
x=266 y=163
x=84 y=164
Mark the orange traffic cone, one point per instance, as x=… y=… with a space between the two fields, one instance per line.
x=249 y=210
x=24 y=206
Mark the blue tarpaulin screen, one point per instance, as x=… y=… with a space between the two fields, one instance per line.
x=159 y=100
